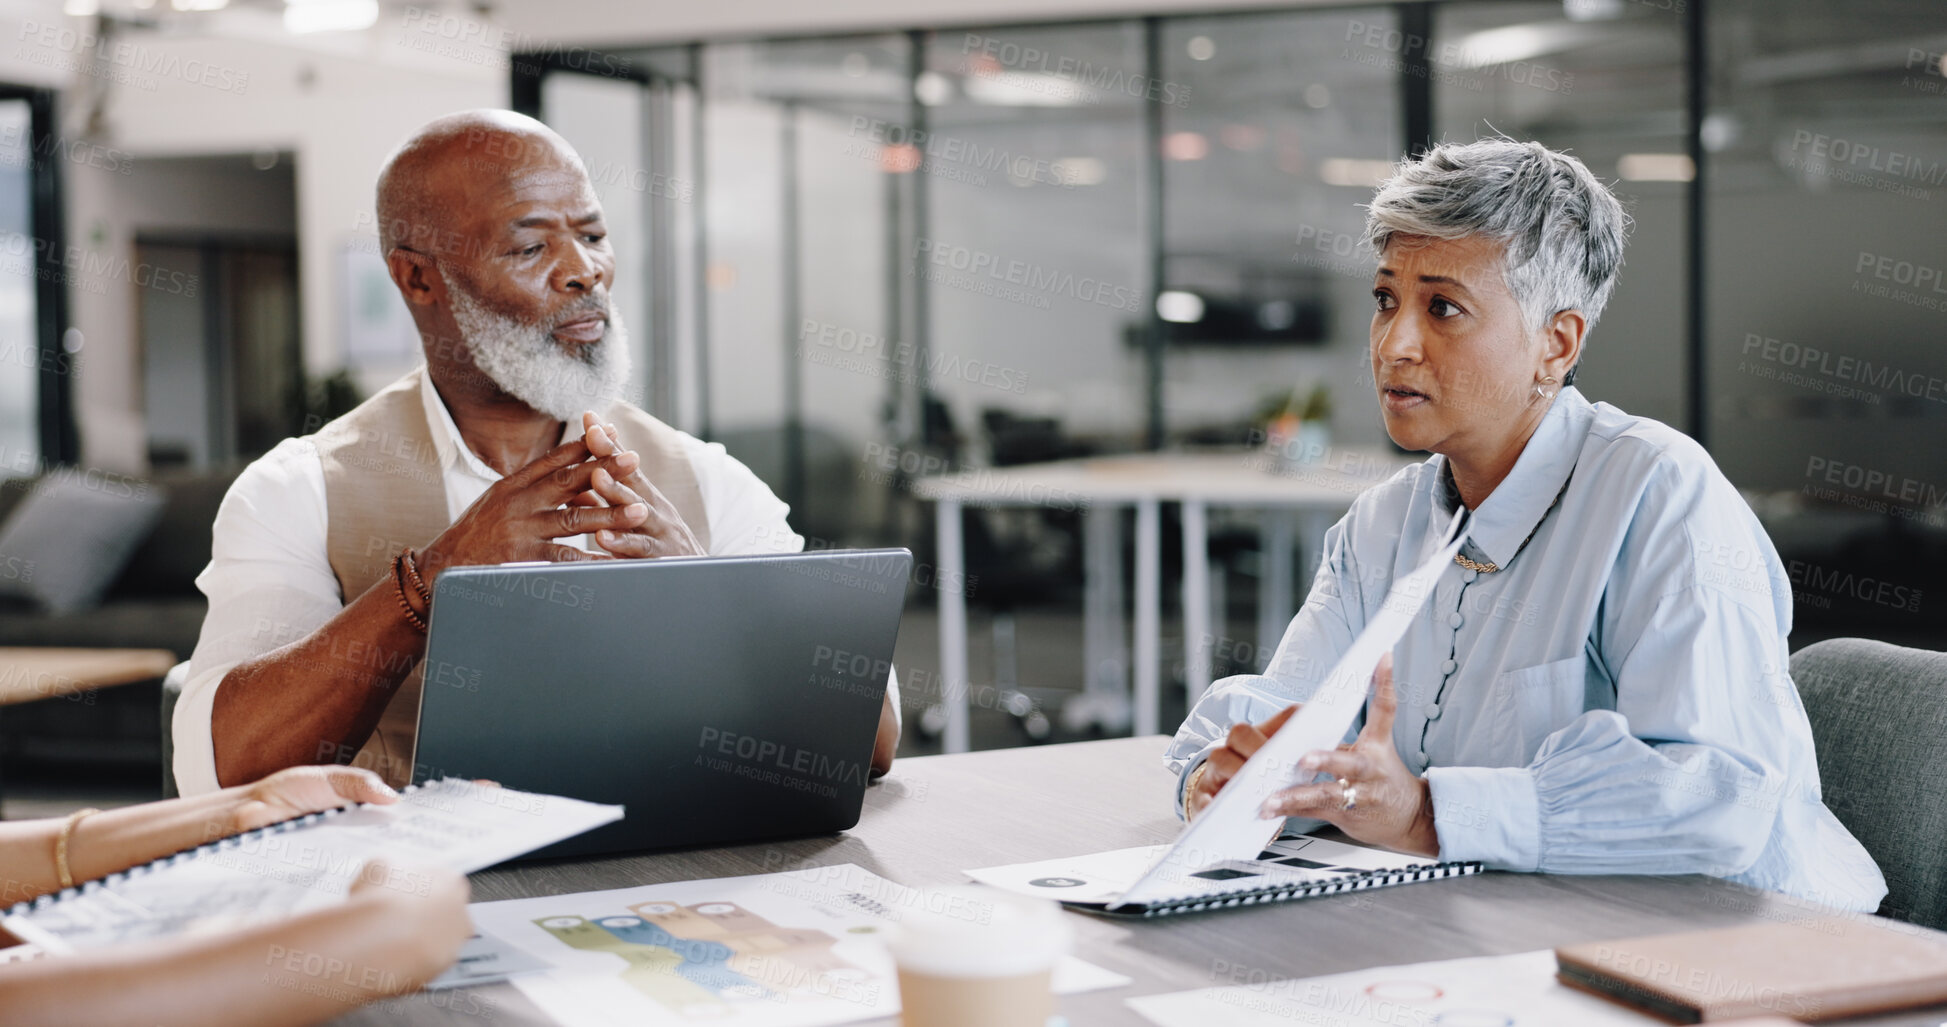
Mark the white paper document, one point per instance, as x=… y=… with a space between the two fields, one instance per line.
x=1230 y=828
x=1500 y=991
x=1101 y=878
x=795 y=949
x=485 y=959
x=305 y=864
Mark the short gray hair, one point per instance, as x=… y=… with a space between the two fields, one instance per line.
x=1561 y=230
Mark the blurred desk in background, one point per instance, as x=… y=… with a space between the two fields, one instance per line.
x=1300 y=502
x=27 y=674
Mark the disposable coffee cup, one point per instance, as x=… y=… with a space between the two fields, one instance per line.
x=970 y=956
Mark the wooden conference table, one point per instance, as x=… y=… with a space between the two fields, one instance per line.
x=937 y=815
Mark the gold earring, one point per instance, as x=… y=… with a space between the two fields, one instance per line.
x=1549 y=380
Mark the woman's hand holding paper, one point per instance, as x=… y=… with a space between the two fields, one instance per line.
x=1390 y=805
x=1370 y=794
x=1240 y=745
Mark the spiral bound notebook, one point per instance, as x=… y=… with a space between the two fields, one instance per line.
x=304 y=863
x=1299 y=867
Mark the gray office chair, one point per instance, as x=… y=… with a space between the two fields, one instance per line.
x=1879 y=718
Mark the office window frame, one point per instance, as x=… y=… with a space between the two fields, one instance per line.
x=59 y=439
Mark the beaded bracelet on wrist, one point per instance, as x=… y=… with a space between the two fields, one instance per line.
x=399 y=581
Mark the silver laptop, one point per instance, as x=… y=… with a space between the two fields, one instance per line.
x=719 y=699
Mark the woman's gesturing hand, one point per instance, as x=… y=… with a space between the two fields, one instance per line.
x=1371 y=796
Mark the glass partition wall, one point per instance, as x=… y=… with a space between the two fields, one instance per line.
x=39 y=352
x=20 y=362
x=904 y=239
x=1607 y=85
x=1287 y=122
x=872 y=257
x=1825 y=142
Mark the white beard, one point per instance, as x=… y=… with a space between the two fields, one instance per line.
x=529 y=365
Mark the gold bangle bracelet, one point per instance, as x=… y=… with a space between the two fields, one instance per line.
x=1190 y=783
x=61 y=846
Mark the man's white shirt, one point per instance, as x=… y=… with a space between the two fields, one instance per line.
x=270 y=582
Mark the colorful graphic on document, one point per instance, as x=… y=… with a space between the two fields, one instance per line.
x=701 y=960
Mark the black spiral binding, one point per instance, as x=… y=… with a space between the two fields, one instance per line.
x=1285 y=893
x=44 y=902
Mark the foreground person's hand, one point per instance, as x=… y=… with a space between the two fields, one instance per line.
x=296 y=791
x=426 y=908
x=397 y=929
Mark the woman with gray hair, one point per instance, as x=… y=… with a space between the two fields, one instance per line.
x=1602 y=685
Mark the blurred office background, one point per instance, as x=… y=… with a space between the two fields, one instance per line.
x=870 y=242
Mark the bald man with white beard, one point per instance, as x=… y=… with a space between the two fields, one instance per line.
x=508 y=444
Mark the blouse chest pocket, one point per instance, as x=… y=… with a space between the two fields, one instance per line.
x=1540 y=700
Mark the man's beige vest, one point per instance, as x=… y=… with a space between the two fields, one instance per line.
x=385 y=490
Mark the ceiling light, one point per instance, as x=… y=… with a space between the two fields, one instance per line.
x=1317 y=97
x=1592 y=10
x=1501 y=46
x=1178 y=307
x=1656 y=167
x=932 y=88
x=1080 y=171
x=1512 y=43
x=1349 y=171
x=993 y=85
x=305 y=16
x=81 y=8
x=1202 y=48
x=1186 y=146
x=199 y=5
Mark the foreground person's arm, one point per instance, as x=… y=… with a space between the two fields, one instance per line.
x=103 y=843
x=310 y=968
x=381 y=941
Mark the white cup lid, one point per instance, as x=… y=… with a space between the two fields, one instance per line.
x=976 y=931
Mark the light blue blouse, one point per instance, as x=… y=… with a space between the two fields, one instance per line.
x=1616 y=699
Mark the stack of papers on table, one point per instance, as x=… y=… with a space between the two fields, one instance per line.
x=796 y=949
